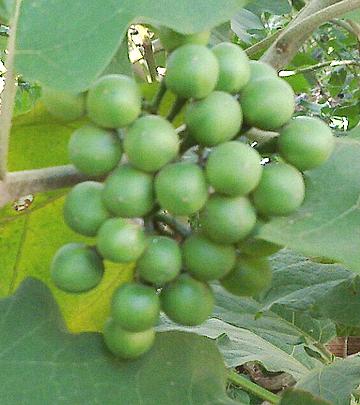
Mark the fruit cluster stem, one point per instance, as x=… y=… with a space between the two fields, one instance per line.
x=249 y=386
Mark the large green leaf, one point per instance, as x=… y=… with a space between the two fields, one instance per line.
x=328 y=223
x=323 y=290
x=298 y=397
x=334 y=382
x=41 y=363
x=67 y=44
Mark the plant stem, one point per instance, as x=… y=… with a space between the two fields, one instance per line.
x=331 y=63
x=249 y=386
x=8 y=96
x=33 y=181
x=149 y=57
x=311 y=17
x=263 y=44
x=176 y=108
x=154 y=106
x=177 y=226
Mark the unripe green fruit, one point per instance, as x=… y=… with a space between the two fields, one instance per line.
x=121 y=241
x=192 y=71
x=76 y=268
x=261 y=70
x=267 y=103
x=215 y=119
x=151 y=143
x=227 y=220
x=281 y=190
x=114 y=101
x=63 y=105
x=135 y=307
x=94 y=151
x=233 y=168
x=128 y=192
x=234 y=67
x=250 y=277
x=187 y=301
x=161 y=261
x=255 y=247
x=84 y=210
x=181 y=188
x=306 y=142
x=171 y=39
x=125 y=344
x=206 y=260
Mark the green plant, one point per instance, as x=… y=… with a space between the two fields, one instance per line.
x=221 y=187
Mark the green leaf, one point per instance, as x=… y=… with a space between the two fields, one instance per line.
x=327 y=224
x=69 y=48
x=322 y=290
x=278 y=7
x=39 y=140
x=298 y=397
x=51 y=366
x=334 y=382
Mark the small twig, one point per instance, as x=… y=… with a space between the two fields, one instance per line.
x=150 y=58
x=289 y=42
x=259 y=136
x=8 y=96
x=263 y=44
x=331 y=63
x=176 y=108
x=155 y=104
x=183 y=230
x=40 y=180
x=249 y=386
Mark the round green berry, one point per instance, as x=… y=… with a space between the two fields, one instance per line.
x=215 y=119
x=128 y=192
x=187 y=301
x=161 y=261
x=234 y=67
x=306 y=142
x=94 y=151
x=227 y=220
x=151 y=143
x=261 y=70
x=171 y=39
x=84 y=210
x=206 y=260
x=135 y=307
x=114 y=101
x=250 y=277
x=181 y=188
x=267 y=103
x=192 y=71
x=121 y=241
x=63 y=105
x=76 y=268
x=233 y=168
x=281 y=190
x=125 y=344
